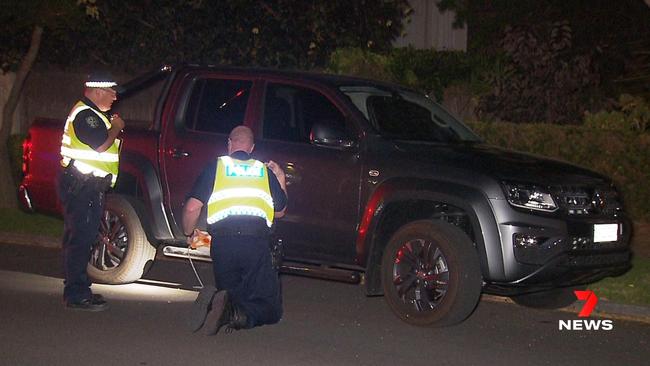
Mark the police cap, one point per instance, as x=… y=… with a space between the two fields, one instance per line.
x=101 y=79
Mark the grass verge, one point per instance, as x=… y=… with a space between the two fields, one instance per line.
x=17 y=221
x=632 y=287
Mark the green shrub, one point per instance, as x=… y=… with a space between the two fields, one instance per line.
x=637 y=112
x=428 y=71
x=631 y=114
x=358 y=62
x=604 y=120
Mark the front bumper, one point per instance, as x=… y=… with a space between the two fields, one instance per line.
x=545 y=252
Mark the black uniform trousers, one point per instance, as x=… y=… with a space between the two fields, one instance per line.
x=82 y=209
x=242 y=266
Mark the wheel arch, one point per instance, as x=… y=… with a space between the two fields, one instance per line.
x=398 y=202
x=139 y=183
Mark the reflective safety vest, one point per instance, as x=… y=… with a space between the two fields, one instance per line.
x=241 y=188
x=87 y=160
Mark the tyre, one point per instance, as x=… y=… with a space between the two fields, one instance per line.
x=122 y=250
x=431 y=274
x=551 y=299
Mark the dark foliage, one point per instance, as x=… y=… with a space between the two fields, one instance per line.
x=429 y=71
x=545 y=78
x=18 y=19
x=613 y=37
x=132 y=35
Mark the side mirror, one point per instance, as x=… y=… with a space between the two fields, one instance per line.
x=325 y=134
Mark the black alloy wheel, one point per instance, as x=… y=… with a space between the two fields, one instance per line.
x=111 y=246
x=421 y=274
x=431 y=274
x=122 y=251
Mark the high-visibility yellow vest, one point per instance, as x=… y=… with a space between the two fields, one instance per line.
x=241 y=188
x=87 y=160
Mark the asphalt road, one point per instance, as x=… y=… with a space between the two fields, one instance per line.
x=325 y=323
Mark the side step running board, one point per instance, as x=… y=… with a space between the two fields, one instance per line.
x=324 y=272
x=201 y=254
x=300 y=269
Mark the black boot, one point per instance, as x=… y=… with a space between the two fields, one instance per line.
x=220 y=313
x=238 y=319
x=201 y=307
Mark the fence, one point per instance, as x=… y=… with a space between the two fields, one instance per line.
x=51 y=93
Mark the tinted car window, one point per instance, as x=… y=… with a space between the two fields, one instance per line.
x=404 y=115
x=402 y=119
x=217 y=105
x=290 y=112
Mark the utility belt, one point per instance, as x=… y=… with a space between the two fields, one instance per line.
x=240 y=226
x=253 y=226
x=99 y=184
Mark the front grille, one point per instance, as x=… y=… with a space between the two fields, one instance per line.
x=578 y=248
x=582 y=201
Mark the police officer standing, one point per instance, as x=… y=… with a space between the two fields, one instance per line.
x=243 y=196
x=90 y=160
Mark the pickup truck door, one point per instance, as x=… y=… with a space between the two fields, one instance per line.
x=323 y=182
x=208 y=108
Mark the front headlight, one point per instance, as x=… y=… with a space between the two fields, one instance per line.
x=529 y=196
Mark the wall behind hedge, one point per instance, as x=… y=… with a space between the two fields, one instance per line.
x=624 y=156
x=52 y=93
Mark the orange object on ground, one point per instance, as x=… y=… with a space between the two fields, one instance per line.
x=200 y=238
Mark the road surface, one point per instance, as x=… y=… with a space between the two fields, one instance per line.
x=325 y=323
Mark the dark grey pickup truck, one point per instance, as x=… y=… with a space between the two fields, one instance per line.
x=386 y=189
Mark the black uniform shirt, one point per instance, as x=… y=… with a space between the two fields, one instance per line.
x=204 y=184
x=89 y=127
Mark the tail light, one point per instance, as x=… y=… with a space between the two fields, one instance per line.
x=27 y=153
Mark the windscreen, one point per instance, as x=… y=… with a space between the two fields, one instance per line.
x=404 y=115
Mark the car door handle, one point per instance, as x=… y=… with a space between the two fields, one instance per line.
x=290 y=178
x=177 y=153
x=290 y=174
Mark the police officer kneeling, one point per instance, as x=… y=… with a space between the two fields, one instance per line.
x=243 y=196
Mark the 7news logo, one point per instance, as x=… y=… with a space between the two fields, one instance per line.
x=590 y=299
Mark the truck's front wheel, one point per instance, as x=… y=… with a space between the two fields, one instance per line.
x=431 y=274
x=122 y=250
